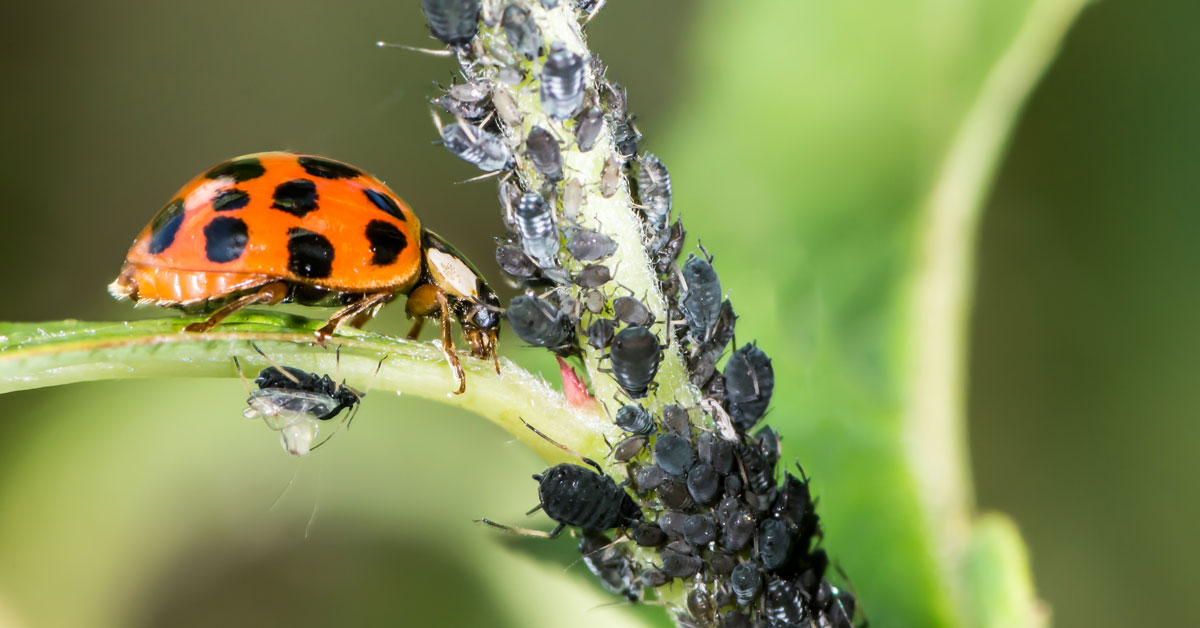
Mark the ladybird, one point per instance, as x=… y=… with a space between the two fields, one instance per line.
x=280 y=227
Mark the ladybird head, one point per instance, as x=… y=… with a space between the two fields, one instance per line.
x=481 y=323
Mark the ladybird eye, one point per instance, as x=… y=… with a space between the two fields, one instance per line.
x=484 y=318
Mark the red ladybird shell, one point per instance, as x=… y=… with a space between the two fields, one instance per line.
x=274 y=216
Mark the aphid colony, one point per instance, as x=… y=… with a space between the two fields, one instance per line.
x=707 y=503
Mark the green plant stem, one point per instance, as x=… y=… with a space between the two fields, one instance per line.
x=941 y=292
x=35 y=355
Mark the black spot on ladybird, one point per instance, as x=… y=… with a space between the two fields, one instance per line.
x=229 y=200
x=225 y=239
x=310 y=255
x=386 y=242
x=384 y=202
x=328 y=168
x=238 y=169
x=296 y=197
x=165 y=225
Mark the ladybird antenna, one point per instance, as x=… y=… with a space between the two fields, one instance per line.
x=276 y=365
x=433 y=52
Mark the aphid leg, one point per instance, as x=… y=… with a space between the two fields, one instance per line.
x=269 y=294
x=428 y=300
x=277 y=366
x=526 y=531
x=249 y=391
x=361 y=307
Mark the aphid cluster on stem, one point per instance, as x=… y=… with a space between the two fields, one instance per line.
x=702 y=499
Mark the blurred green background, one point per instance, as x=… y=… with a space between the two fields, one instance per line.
x=136 y=504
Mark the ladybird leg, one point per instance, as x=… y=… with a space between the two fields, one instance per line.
x=427 y=300
x=448 y=345
x=269 y=294
x=525 y=531
x=422 y=303
x=358 y=308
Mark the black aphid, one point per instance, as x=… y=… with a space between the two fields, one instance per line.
x=483 y=148
x=746 y=581
x=700 y=607
x=721 y=563
x=587 y=128
x=649 y=535
x=673 y=453
x=544 y=152
x=629 y=448
x=535 y=223
x=749 y=383
x=454 y=22
x=577 y=496
x=674 y=494
x=737 y=524
x=654 y=192
x=634 y=418
x=593 y=276
x=672 y=522
x=521 y=31
x=336 y=396
x=649 y=477
x=700 y=529
x=703 y=483
x=676 y=420
x=635 y=356
x=715 y=451
x=702 y=364
x=600 y=333
x=586 y=245
x=540 y=324
x=775 y=543
x=701 y=300
x=630 y=311
x=562 y=82
x=668 y=250
x=514 y=262
x=607 y=562
x=680 y=564
x=783 y=603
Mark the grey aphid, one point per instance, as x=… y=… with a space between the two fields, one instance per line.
x=562 y=82
x=535 y=223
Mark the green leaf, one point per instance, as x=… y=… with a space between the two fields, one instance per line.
x=834 y=156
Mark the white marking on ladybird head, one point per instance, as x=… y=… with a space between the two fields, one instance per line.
x=454 y=275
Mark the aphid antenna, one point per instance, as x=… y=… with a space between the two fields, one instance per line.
x=486 y=175
x=593 y=12
x=276 y=365
x=563 y=447
x=703 y=251
x=433 y=52
x=525 y=531
x=437 y=122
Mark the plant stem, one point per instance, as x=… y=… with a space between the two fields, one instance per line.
x=35 y=355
